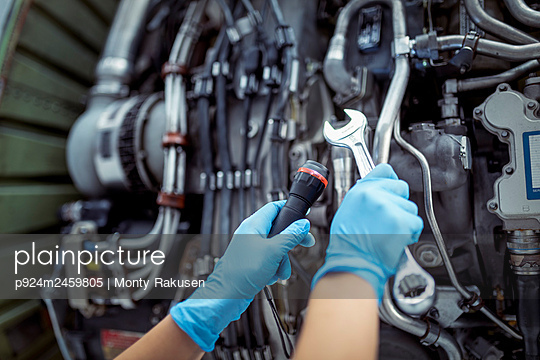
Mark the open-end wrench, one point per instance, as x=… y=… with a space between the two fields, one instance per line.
x=414 y=287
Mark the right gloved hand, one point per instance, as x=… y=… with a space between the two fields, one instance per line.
x=371 y=229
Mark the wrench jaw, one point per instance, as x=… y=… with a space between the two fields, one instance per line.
x=339 y=137
x=414 y=287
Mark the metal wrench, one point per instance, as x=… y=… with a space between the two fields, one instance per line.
x=414 y=288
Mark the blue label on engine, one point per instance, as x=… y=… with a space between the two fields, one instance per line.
x=531 y=150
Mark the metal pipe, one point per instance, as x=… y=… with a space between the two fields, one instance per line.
x=417 y=327
x=113 y=74
x=115 y=68
x=523 y=13
x=492 y=48
x=494 y=80
x=336 y=74
x=495 y=27
x=390 y=110
x=439 y=240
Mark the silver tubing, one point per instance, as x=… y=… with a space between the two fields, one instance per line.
x=492 y=48
x=523 y=13
x=390 y=110
x=343 y=82
x=124 y=37
x=484 y=310
x=495 y=27
x=336 y=74
x=432 y=220
x=390 y=314
x=494 y=80
x=428 y=203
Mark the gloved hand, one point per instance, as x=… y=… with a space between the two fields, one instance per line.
x=250 y=262
x=371 y=229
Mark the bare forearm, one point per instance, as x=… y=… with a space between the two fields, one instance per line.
x=342 y=320
x=165 y=341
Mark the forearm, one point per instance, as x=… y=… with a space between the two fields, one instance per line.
x=342 y=320
x=165 y=341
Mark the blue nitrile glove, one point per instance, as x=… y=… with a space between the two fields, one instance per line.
x=250 y=262
x=371 y=229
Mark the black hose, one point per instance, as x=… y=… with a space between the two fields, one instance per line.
x=258 y=331
x=528 y=294
x=256 y=164
x=248 y=101
x=289 y=54
x=227 y=14
x=247 y=333
x=223 y=147
x=205 y=136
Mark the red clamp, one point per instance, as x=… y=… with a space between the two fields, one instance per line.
x=170 y=68
x=171 y=200
x=174 y=138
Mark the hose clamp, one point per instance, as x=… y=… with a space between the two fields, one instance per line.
x=401 y=46
x=172 y=68
x=284 y=37
x=470 y=41
x=172 y=200
x=432 y=334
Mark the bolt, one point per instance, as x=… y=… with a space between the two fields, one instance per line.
x=493 y=206
x=157 y=309
x=434 y=313
x=531 y=105
x=504 y=134
x=509 y=170
x=503 y=87
x=478 y=112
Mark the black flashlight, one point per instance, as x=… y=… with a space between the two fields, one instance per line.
x=308 y=184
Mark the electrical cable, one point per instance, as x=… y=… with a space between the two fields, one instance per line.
x=205 y=138
x=223 y=146
x=288 y=56
x=256 y=164
x=248 y=101
x=255 y=310
x=283 y=334
x=203 y=105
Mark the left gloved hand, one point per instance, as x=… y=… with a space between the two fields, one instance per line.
x=250 y=262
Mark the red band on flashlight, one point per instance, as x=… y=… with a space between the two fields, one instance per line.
x=315 y=174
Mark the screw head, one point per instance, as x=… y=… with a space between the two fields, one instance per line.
x=531 y=105
x=503 y=87
x=509 y=170
x=493 y=206
x=478 y=112
x=504 y=134
x=434 y=313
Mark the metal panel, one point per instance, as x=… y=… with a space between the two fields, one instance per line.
x=51 y=43
x=32 y=206
x=57 y=44
x=77 y=18
x=28 y=154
